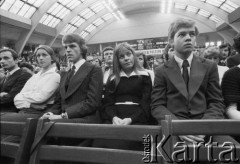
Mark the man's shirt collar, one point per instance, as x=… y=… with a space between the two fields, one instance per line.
x=78 y=64
x=14 y=70
x=180 y=61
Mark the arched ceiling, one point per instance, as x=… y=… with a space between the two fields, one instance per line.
x=51 y=19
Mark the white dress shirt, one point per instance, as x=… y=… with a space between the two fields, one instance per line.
x=221 y=72
x=180 y=62
x=12 y=71
x=38 y=89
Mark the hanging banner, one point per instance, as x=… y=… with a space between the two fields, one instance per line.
x=152 y=52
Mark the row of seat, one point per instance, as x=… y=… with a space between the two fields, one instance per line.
x=33 y=147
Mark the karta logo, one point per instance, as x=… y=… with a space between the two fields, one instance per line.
x=181 y=152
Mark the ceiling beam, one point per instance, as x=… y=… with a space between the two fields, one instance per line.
x=90 y=21
x=176 y=13
x=68 y=18
x=35 y=20
x=102 y=26
x=228 y=35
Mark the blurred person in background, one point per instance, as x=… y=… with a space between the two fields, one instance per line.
x=235 y=59
x=225 y=51
x=213 y=53
x=97 y=62
x=150 y=60
x=168 y=52
x=26 y=66
x=196 y=51
x=142 y=61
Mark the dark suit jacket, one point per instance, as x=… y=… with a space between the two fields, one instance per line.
x=83 y=96
x=13 y=86
x=233 y=60
x=170 y=95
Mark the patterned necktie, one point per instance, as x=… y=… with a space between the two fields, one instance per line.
x=69 y=76
x=185 y=75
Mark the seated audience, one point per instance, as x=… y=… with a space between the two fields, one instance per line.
x=14 y=80
x=235 y=59
x=142 y=61
x=38 y=92
x=213 y=53
x=80 y=90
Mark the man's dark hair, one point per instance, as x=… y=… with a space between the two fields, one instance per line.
x=14 y=53
x=149 y=57
x=107 y=48
x=224 y=46
x=27 y=65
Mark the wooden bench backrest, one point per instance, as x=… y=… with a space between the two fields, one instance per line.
x=200 y=127
x=91 y=154
x=19 y=151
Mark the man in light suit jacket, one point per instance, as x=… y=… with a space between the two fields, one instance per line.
x=80 y=90
x=14 y=80
x=187 y=86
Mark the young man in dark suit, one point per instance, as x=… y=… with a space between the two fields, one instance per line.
x=187 y=86
x=80 y=90
x=14 y=80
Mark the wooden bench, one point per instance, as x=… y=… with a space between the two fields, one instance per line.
x=20 y=152
x=201 y=152
x=92 y=154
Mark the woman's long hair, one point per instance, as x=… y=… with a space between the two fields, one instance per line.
x=116 y=64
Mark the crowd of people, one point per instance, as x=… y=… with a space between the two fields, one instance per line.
x=126 y=88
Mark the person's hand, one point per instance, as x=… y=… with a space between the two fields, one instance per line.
x=55 y=117
x=126 y=121
x=190 y=139
x=38 y=106
x=3 y=94
x=46 y=115
x=117 y=121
